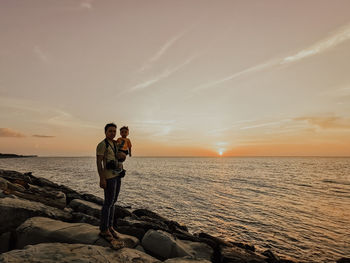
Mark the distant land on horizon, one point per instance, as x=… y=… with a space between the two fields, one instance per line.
x=12 y=155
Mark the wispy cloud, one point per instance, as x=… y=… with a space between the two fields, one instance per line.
x=156 y=128
x=163 y=49
x=40 y=54
x=335 y=39
x=6 y=132
x=165 y=74
x=86 y=4
x=260 y=125
x=327 y=122
x=256 y=68
x=42 y=114
x=43 y=136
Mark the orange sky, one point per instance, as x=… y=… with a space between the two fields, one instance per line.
x=189 y=78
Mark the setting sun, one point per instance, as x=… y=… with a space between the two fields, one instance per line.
x=220 y=153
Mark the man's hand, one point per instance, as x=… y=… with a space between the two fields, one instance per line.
x=103 y=183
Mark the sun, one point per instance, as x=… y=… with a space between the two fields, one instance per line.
x=220 y=153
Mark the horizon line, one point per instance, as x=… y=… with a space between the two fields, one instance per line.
x=209 y=156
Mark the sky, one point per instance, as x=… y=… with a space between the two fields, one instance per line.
x=189 y=78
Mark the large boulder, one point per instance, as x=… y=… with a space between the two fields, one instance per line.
x=61 y=253
x=45 y=230
x=14 y=211
x=164 y=246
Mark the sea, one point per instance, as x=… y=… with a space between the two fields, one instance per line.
x=297 y=207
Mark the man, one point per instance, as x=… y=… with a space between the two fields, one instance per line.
x=110 y=181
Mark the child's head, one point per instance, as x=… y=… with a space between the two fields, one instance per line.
x=124 y=131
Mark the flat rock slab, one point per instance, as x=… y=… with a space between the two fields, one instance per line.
x=14 y=211
x=45 y=230
x=62 y=253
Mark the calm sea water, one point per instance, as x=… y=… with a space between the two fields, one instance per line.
x=299 y=207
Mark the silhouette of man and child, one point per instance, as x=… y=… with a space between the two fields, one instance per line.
x=110 y=155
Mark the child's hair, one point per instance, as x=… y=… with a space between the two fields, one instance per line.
x=124 y=128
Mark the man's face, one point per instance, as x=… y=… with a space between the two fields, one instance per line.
x=111 y=132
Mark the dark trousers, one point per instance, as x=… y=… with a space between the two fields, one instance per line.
x=111 y=196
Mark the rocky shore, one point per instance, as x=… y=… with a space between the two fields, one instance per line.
x=11 y=155
x=45 y=222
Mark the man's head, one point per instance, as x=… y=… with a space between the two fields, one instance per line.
x=124 y=131
x=110 y=130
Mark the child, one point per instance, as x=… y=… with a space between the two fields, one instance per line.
x=123 y=144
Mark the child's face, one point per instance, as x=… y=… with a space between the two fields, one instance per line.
x=124 y=133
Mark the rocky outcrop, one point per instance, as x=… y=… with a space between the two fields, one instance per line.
x=42 y=221
x=62 y=253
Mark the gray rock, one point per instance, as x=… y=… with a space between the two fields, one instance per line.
x=45 y=230
x=93 y=199
x=86 y=207
x=7 y=185
x=139 y=223
x=148 y=213
x=164 y=246
x=343 y=260
x=62 y=253
x=15 y=211
x=132 y=231
x=186 y=260
x=16 y=176
x=239 y=255
x=121 y=212
x=48 y=197
x=198 y=249
x=140 y=248
x=83 y=218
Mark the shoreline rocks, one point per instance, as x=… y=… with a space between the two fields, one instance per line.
x=42 y=221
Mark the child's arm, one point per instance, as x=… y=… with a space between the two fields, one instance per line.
x=129 y=147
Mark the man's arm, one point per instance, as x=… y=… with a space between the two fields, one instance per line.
x=99 y=161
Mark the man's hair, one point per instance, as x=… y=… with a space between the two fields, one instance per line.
x=110 y=125
x=124 y=128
